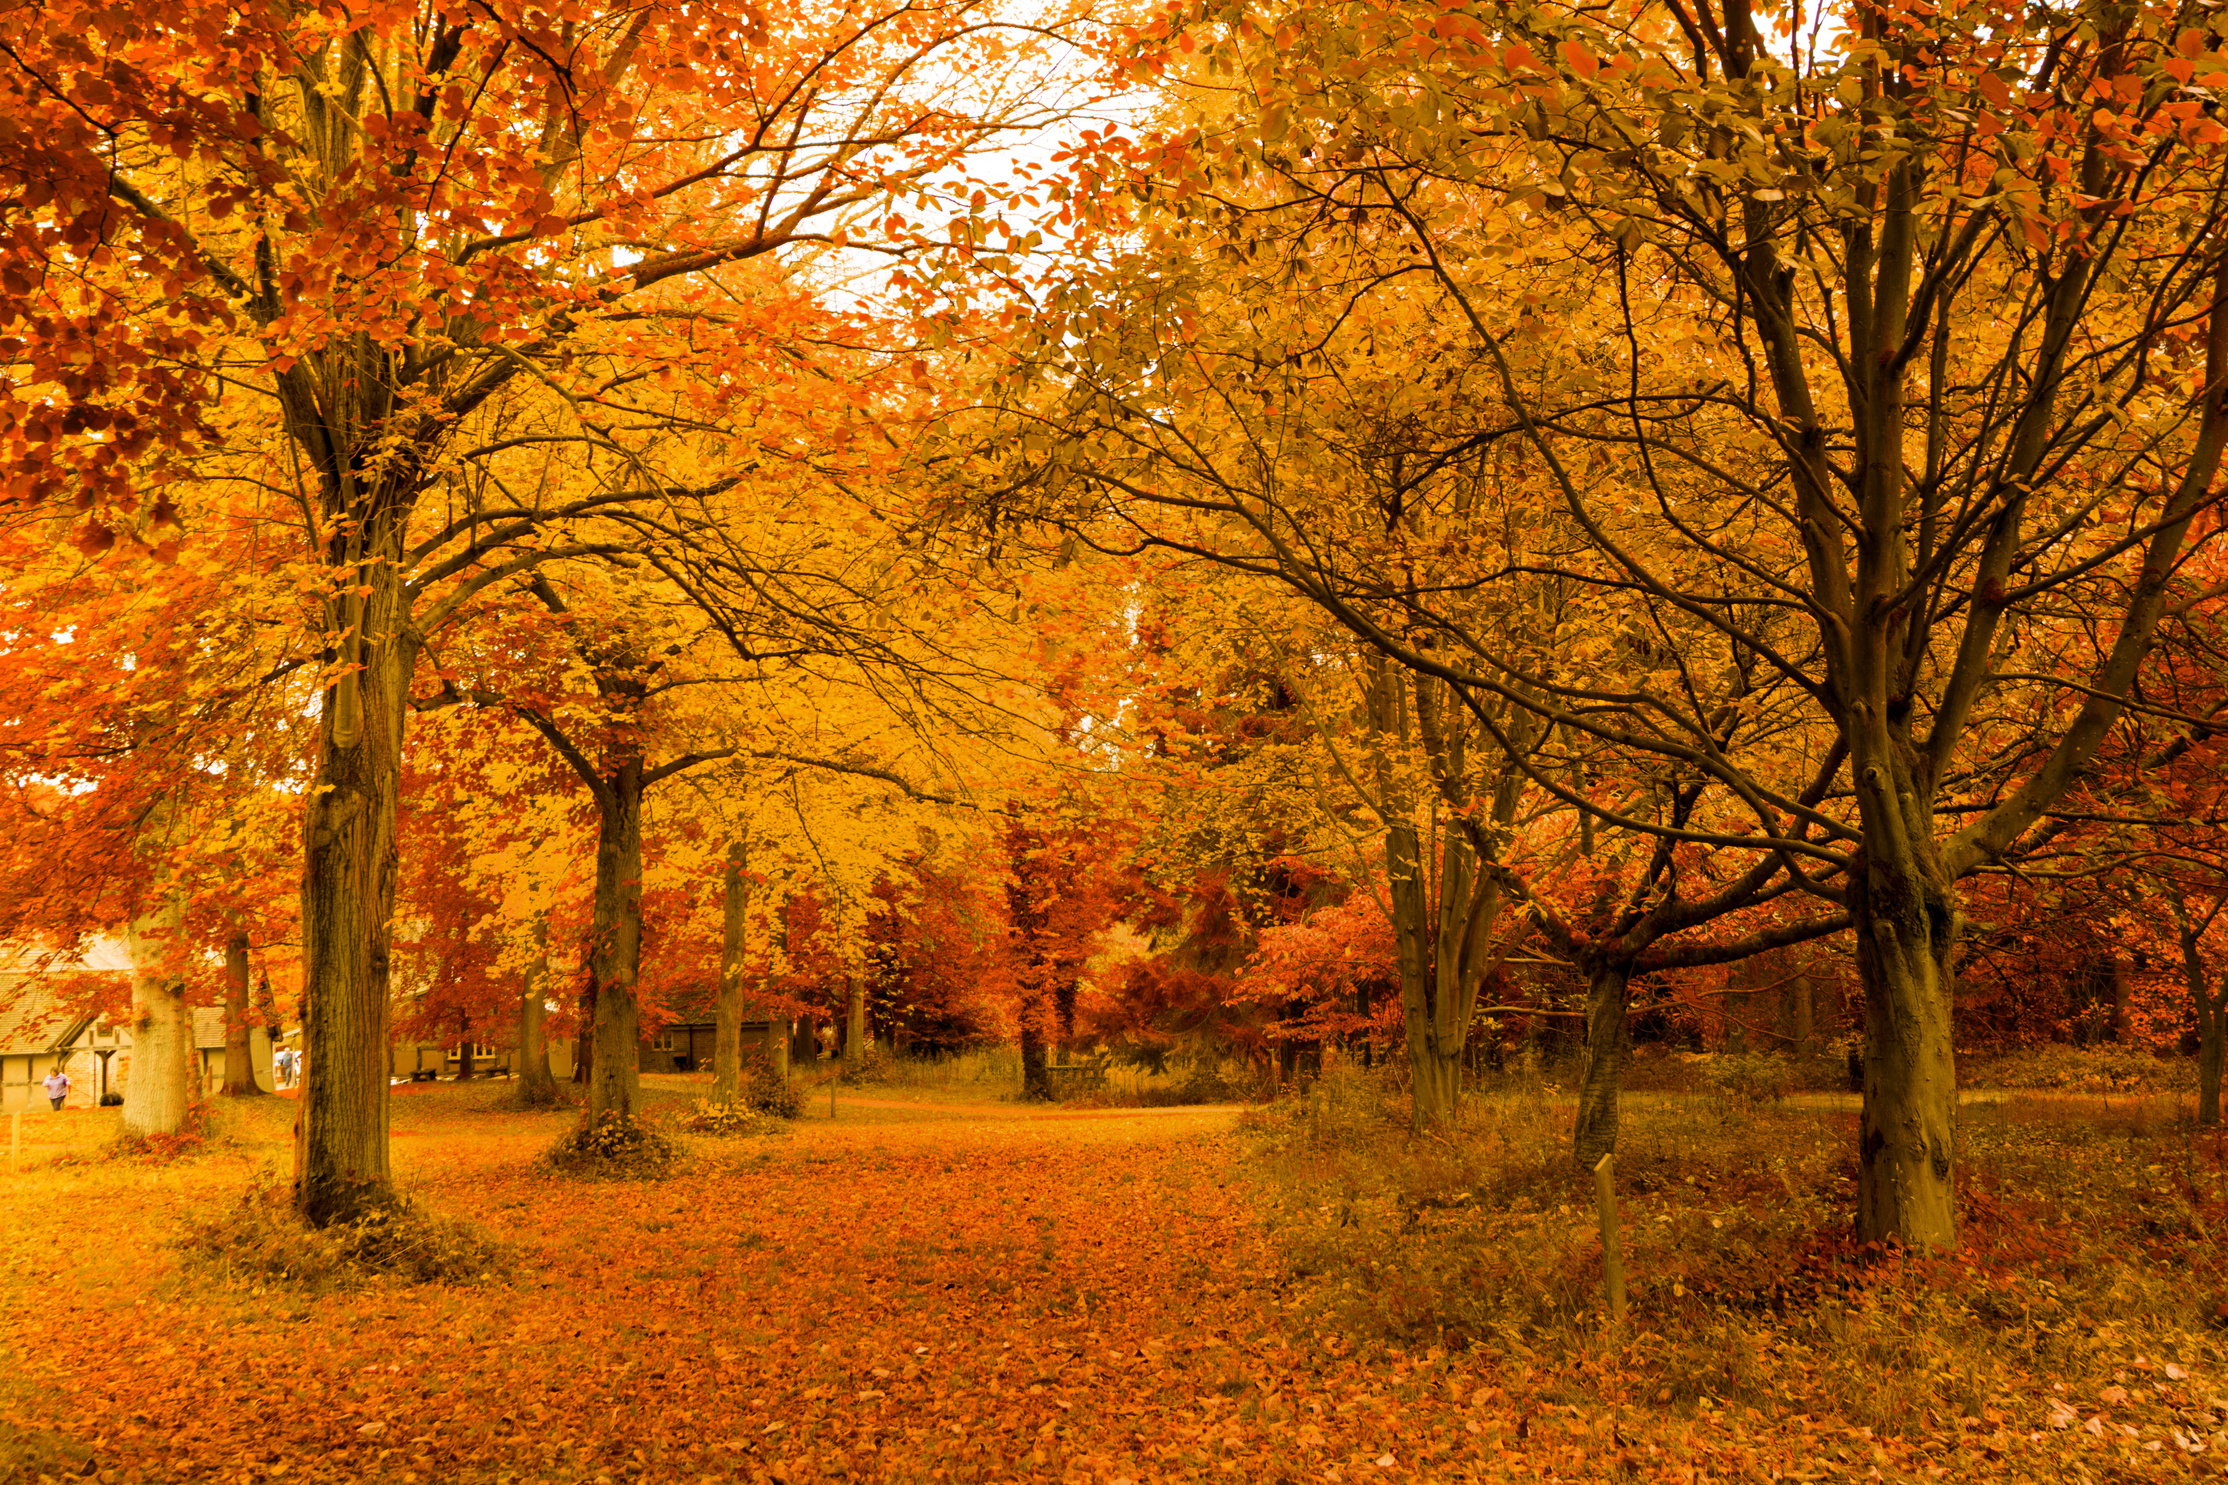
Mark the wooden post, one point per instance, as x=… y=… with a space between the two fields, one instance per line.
x=831 y=1100
x=1612 y=1245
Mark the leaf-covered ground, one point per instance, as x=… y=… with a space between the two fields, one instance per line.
x=912 y=1291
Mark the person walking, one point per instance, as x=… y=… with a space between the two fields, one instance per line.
x=57 y=1088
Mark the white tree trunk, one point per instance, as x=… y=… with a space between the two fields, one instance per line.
x=161 y=1081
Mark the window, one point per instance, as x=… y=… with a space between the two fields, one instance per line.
x=662 y=1042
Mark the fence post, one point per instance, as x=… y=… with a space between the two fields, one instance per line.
x=1612 y=1245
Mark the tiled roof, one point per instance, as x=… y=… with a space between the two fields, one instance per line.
x=30 y=1021
x=103 y=955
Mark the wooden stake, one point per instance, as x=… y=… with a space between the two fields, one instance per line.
x=1612 y=1246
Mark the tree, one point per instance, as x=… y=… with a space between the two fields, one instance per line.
x=400 y=212
x=142 y=784
x=1776 y=396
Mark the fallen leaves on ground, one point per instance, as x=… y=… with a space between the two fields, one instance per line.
x=922 y=1294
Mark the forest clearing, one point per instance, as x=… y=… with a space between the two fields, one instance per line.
x=926 y=1290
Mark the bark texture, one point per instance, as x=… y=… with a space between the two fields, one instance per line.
x=1445 y=900
x=1905 y=925
x=854 y=1023
x=537 y=1086
x=2212 y=1040
x=161 y=1083
x=1607 y=1043
x=348 y=890
x=2208 y=997
x=778 y=1032
x=727 y=1014
x=239 y=1042
x=1445 y=947
x=615 y=960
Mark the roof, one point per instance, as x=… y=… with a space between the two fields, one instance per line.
x=30 y=1022
x=103 y=955
x=30 y=1019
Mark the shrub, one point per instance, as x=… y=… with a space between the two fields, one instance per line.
x=728 y=1119
x=262 y=1239
x=614 y=1147
x=874 y=1065
x=2069 y=1069
x=773 y=1095
x=1750 y=1077
x=1201 y=1082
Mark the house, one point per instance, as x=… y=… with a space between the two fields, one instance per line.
x=687 y=1046
x=36 y=1037
x=422 y=1062
x=37 y=1033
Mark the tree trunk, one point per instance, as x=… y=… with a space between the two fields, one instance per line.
x=1436 y=1079
x=2119 y=975
x=537 y=1086
x=1063 y=1011
x=584 y=1039
x=2212 y=1034
x=348 y=890
x=1905 y=925
x=1802 y=1012
x=2211 y=1008
x=161 y=1082
x=727 y=1015
x=778 y=1031
x=239 y=1044
x=615 y=960
x=1607 y=994
x=854 y=1024
x=464 y=1051
x=1444 y=952
x=1036 y=1082
x=804 y=1046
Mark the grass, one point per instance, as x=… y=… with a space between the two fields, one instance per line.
x=993 y=1075
x=2092 y=1254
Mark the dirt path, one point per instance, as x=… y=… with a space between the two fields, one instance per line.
x=1034 y=1113
x=949 y=1296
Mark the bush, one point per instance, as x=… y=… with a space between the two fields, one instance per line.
x=2069 y=1069
x=773 y=1095
x=728 y=1119
x=1751 y=1077
x=1201 y=1082
x=262 y=1239
x=874 y=1065
x=614 y=1147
